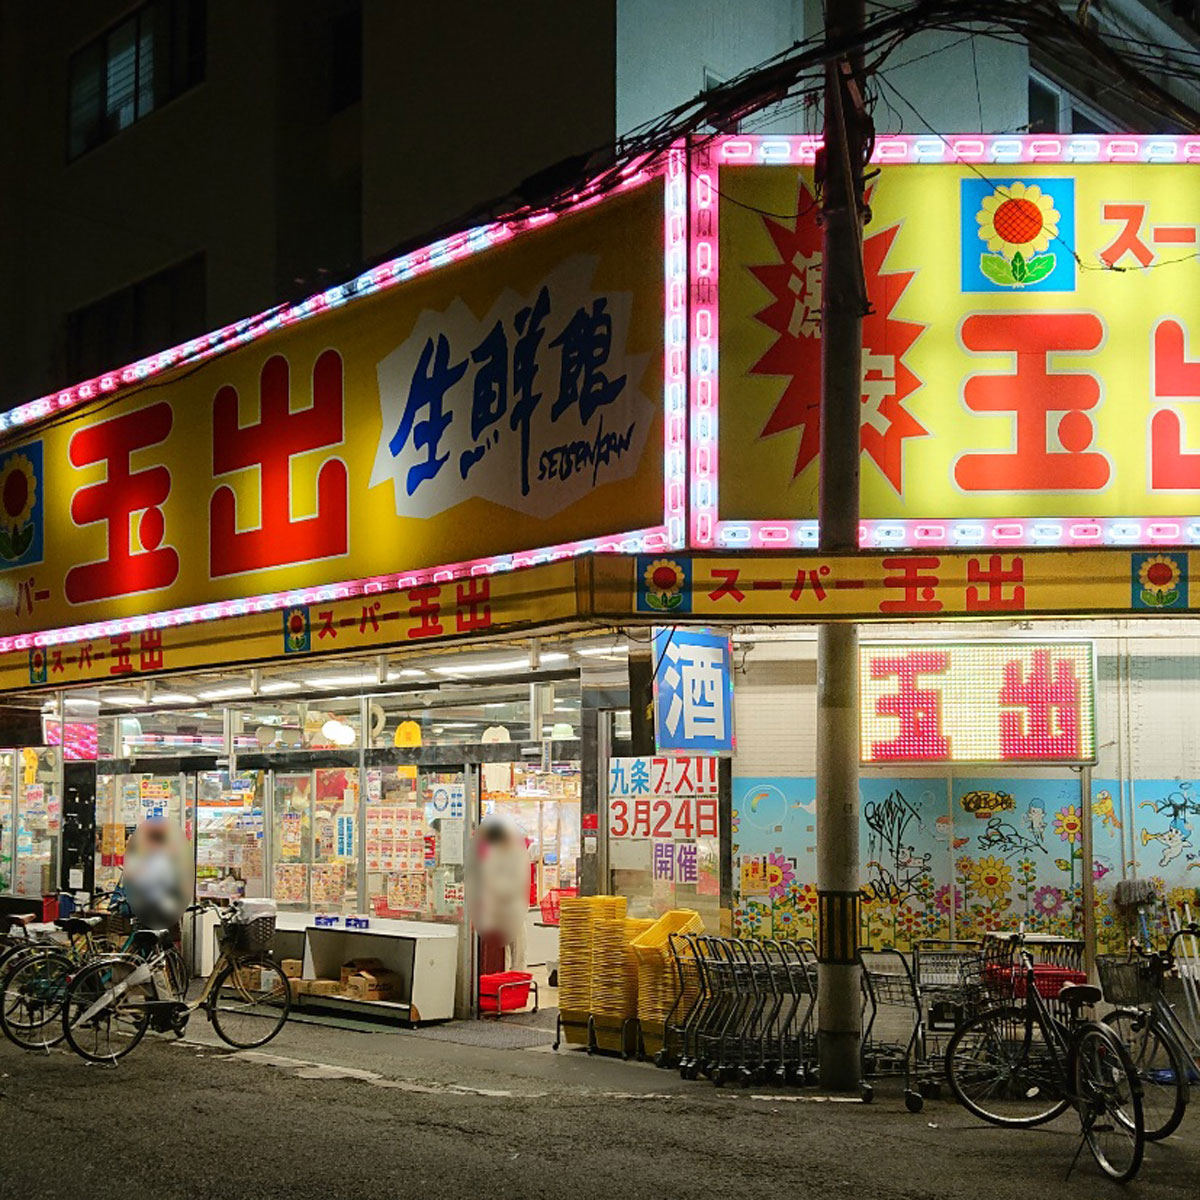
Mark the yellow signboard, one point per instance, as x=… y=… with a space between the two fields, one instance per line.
x=498 y=404
x=427 y=614
x=1032 y=346
x=929 y=585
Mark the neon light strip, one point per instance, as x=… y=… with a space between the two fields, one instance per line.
x=378 y=279
x=1017 y=533
x=675 y=285
x=703 y=295
x=642 y=541
x=971 y=148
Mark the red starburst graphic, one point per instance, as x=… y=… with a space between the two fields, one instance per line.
x=795 y=315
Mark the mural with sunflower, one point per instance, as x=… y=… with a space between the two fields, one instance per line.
x=987 y=855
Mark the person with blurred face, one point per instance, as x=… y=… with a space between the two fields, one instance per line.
x=155 y=875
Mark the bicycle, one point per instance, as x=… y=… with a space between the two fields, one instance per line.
x=1162 y=1049
x=112 y=1002
x=33 y=980
x=1019 y=1066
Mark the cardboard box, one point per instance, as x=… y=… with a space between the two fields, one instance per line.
x=293 y=968
x=323 y=987
x=359 y=964
x=378 y=984
x=249 y=978
x=298 y=986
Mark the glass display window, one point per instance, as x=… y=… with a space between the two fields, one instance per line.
x=38 y=826
x=230 y=836
x=314 y=839
x=7 y=818
x=545 y=805
x=415 y=830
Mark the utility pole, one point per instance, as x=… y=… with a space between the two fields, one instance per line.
x=839 y=1027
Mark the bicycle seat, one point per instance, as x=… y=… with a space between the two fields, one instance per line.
x=160 y=937
x=78 y=924
x=1080 y=994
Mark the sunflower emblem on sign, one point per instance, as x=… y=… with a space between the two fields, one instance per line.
x=20 y=511
x=1159 y=581
x=1159 y=577
x=662 y=585
x=1018 y=222
x=296 y=629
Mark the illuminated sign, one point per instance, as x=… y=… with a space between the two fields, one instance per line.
x=1031 y=366
x=478 y=406
x=977 y=702
x=903 y=585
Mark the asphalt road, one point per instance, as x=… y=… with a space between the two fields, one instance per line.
x=329 y=1114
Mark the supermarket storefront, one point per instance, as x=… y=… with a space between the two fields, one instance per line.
x=436 y=509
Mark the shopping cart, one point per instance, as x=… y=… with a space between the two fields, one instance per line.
x=1057 y=962
x=893 y=1041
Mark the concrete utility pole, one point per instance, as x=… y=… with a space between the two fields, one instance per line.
x=843 y=300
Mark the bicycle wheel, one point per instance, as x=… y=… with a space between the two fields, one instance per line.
x=1160 y=1066
x=1108 y=1094
x=115 y=1027
x=249 y=1002
x=34 y=988
x=1001 y=1068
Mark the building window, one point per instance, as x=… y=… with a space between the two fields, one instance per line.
x=152 y=56
x=153 y=314
x=1053 y=109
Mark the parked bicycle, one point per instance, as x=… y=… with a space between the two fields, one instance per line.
x=1159 y=1043
x=33 y=977
x=111 y=1003
x=1019 y=1065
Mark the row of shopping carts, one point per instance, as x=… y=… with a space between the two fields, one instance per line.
x=745 y=1009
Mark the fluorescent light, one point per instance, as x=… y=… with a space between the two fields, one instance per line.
x=603 y=651
x=81 y=702
x=129 y=699
x=458 y=724
x=411 y=673
x=334 y=681
x=173 y=698
x=498 y=666
x=278 y=685
x=226 y=693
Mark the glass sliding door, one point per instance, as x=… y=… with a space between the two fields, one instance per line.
x=291 y=838
x=39 y=821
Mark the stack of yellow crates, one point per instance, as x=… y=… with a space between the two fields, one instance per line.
x=577 y=919
x=658 y=980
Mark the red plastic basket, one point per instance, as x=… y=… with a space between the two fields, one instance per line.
x=1048 y=978
x=504 y=991
x=551 y=901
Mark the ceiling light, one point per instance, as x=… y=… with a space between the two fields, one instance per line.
x=173 y=698
x=278 y=685
x=603 y=651
x=226 y=693
x=129 y=699
x=334 y=681
x=412 y=672
x=339 y=732
x=81 y=702
x=496 y=667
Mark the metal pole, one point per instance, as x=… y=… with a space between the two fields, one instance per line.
x=1089 y=881
x=839 y=1012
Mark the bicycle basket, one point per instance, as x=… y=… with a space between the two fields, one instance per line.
x=252 y=937
x=1125 y=980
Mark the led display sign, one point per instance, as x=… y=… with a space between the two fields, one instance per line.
x=977 y=702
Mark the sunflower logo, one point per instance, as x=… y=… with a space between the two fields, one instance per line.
x=296 y=629
x=1159 y=577
x=1018 y=222
x=18 y=498
x=664 y=581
